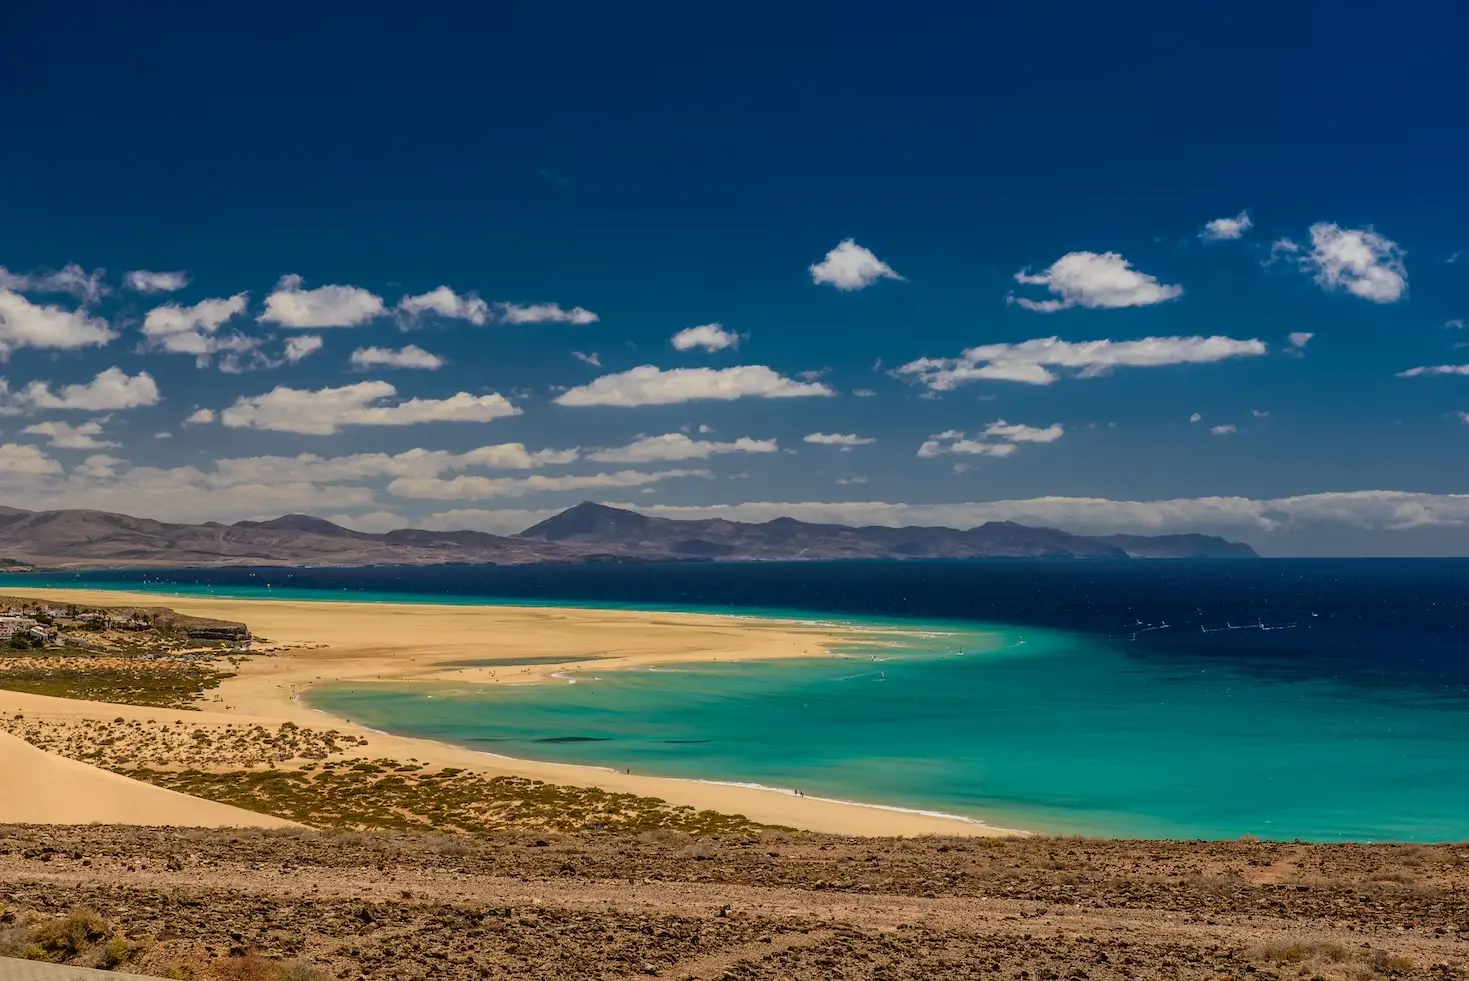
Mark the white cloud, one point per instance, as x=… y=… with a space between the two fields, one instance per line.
x=1300 y=338
x=111 y=389
x=313 y=469
x=371 y=522
x=27 y=324
x=710 y=337
x=143 y=281
x=936 y=447
x=174 y=494
x=543 y=313
x=844 y=440
x=496 y=521
x=18 y=458
x=999 y=438
x=324 y=411
x=65 y=436
x=100 y=466
x=677 y=446
x=411 y=356
x=326 y=306
x=1024 y=434
x=1358 y=260
x=467 y=488
x=588 y=358
x=648 y=385
x=1222 y=229
x=1224 y=430
x=1281 y=250
x=1030 y=362
x=1437 y=369
x=1260 y=413
x=200 y=417
x=446 y=303
x=850 y=481
x=1457 y=323
x=1097 y=280
x=863 y=393
x=851 y=267
x=86 y=287
x=1370 y=509
x=1196 y=417
x=301 y=347
x=192 y=329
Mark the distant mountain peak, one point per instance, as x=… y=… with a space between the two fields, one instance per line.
x=587 y=521
x=298 y=522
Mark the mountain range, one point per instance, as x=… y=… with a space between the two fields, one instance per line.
x=585 y=533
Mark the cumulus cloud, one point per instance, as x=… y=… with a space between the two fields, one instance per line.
x=1437 y=369
x=171 y=494
x=143 y=281
x=543 y=313
x=710 y=337
x=323 y=412
x=109 y=390
x=1358 y=260
x=1223 y=229
x=301 y=347
x=418 y=462
x=193 y=329
x=86 y=287
x=588 y=358
x=845 y=440
x=496 y=521
x=1196 y=417
x=999 y=438
x=1030 y=362
x=65 y=436
x=1223 y=430
x=467 y=488
x=851 y=267
x=100 y=466
x=1097 y=280
x=411 y=356
x=677 y=446
x=443 y=302
x=27 y=324
x=1300 y=338
x=371 y=522
x=200 y=417
x=649 y=385
x=17 y=459
x=326 y=306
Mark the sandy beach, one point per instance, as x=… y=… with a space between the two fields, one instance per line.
x=329 y=642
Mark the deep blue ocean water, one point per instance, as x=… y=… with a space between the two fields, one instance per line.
x=1319 y=699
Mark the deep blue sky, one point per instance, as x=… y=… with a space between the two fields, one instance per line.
x=666 y=166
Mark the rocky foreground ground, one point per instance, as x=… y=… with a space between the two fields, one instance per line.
x=778 y=905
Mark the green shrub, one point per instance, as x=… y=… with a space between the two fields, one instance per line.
x=72 y=934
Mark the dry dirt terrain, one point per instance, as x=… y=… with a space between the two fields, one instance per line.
x=778 y=905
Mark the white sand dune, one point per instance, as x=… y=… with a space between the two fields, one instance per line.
x=39 y=788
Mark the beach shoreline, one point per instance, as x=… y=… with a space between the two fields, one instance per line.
x=344 y=642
